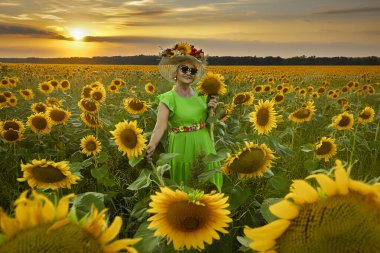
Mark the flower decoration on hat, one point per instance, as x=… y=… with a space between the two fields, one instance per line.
x=183 y=48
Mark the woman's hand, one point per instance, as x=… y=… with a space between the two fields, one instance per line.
x=150 y=148
x=212 y=103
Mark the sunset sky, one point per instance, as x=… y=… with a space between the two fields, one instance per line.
x=286 y=28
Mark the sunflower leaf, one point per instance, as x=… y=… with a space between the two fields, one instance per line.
x=307 y=148
x=103 y=157
x=142 y=181
x=264 y=209
x=165 y=158
x=149 y=242
x=135 y=160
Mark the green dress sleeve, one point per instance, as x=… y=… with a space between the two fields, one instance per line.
x=168 y=99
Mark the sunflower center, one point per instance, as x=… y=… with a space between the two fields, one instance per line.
x=150 y=88
x=11 y=135
x=2 y=99
x=345 y=121
x=129 y=138
x=89 y=105
x=302 y=113
x=86 y=92
x=4 y=82
x=136 y=105
x=11 y=125
x=57 y=115
x=113 y=87
x=69 y=238
x=279 y=98
x=25 y=92
x=187 y=216
x=97 y=95
x=239 y=99
x=48 y=174
x=91 y=146
x=39 y=123
x=64 y=84
x=262 y=117
x=325 y=148
x=40 y=108
x=212 y=86
x=365 y=115
x=117 y=82
x=336 y=224
x=249 y=161
x=45 y=87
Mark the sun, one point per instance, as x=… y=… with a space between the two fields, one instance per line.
x=78 y=33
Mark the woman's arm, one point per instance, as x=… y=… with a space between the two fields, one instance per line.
x=159 y=130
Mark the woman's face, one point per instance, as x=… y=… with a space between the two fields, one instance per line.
x=186 y=72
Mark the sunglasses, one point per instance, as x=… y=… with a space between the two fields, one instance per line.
x=185 y=69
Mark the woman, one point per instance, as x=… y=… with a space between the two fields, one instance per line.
x=186 y=111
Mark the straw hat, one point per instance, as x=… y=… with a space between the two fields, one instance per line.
x=181 y=52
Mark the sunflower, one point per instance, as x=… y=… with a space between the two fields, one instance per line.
x=250 y=162
x=342 y=215
x=45 y=87
x=12 y=101
x=150 y=88
x=343 y=121
x=258 y=89
x=118 y=82
x=91 y=120
x=13 y=81
x=48 y=174
x=40 y=123
x=321 y=90
x=188 y=220
x=227 y=111
x=129 y=138
x=86 y=91
x=279 y=98
x=50 y=101
x=7 y=94
x=58 y=115
x=64 y=85
x=38 y=107
x=243 y=98
x=89 y=105
x=135 y=105
x=3 y=100
x=12 y=124
x=325 y=148
x=90 y=145
x=11 y=136
x=184 y=47
x=264 y=117
x=98 y=94
x=212 y=84
x=27 y=94
x=113 y=88
x=267 y=88
x=41 y=226
x=366 y=115
x=4 y=82
x=305 y=113
x=54 y=83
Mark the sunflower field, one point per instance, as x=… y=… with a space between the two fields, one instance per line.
x=299 y=148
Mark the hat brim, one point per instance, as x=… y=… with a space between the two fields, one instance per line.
x=168 y=66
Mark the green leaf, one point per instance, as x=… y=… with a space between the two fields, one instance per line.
x=103 y=157
x=280 y=183
x=311 y=164
x=84 y=201
x=264 y=209
x=245 y=241
x=307 y=148
x=88 y=162
x=100 y=172
x=135 y=160
x=268 y=173
x=139 y=210
x=210 y=158
x=142 y=181
x=238 y=196
x=149 y=241
x=162 y=169
x=76 y=167
x=165 y=158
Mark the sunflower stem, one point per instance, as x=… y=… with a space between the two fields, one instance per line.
x=352 y=150
x=211 y=113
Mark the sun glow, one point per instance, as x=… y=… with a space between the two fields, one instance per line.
x=78 y=33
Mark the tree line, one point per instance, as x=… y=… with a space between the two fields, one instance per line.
x=211 y=60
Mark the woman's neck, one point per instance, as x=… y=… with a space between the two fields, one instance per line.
x=184 y=90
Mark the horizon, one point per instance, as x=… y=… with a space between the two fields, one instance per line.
x=261 y=28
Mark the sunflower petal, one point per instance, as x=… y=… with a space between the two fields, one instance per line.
x=270 y=231
x=341 y=178
x=304 y=191
x=285 y=209
x=328 y=185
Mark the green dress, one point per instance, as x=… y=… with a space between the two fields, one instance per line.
x=187 y=111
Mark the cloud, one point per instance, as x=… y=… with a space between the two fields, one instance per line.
x=9 y=4
x=350 y=11
x=52 y=32
x=138 y=3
